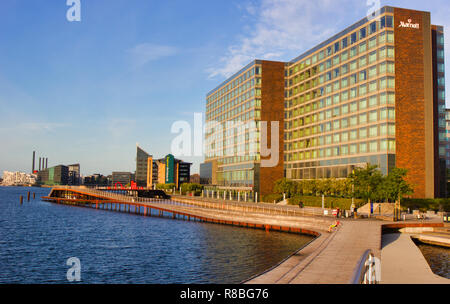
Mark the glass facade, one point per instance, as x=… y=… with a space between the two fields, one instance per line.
x=340 y=104
x=233 y=113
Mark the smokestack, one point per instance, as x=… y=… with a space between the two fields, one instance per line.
x=40 y=161
x=34 y=158
x=46 y=163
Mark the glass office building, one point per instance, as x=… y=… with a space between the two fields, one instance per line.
x=234 y=111
x=373 y=93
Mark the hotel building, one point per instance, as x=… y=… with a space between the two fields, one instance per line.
x=373 y=93
x=234 y=112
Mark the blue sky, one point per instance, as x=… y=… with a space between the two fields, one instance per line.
x=86 y=92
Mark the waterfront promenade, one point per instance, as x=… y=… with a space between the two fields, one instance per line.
x=331 y=258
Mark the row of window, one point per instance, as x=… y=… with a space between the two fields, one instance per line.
x=375 y=146
x=352 y=38
x=369 y=88
x=236 y=96
x=386 y=129
x=343 y=57
x=235 y=83
x=358 y=64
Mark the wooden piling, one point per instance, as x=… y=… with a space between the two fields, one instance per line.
x=34 y=195
x=21 y=199
x=28 y=196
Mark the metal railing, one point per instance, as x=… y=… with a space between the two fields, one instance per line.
x=367 y=270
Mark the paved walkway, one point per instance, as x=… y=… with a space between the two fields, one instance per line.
x=402 y=262
x=330 y=259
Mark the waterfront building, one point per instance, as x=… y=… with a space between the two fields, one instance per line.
x=170 y=170
x=57 y=175
x=373 y=93
x=142 y=161
x=74 y=174
x=122 y=178
x=234 y=112
x=195 y=178
x=96 y=180
x=18 y=179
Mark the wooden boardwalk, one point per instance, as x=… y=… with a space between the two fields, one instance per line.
x=330 y=258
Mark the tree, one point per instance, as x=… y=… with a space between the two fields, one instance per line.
x=395 y=187
x=286 y=186
x=366 y=182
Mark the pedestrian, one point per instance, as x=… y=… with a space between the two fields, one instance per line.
x=337 y=212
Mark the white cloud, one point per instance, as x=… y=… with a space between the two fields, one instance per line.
x=284 y=28
x=143 y=53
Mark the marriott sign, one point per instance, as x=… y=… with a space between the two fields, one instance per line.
x=409 y=24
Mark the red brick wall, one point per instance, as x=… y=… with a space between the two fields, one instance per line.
x=272 y=109
x=410 y=106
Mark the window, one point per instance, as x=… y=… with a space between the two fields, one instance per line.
x=390 y=37
x=382 y=22
x=362 y=76
x=362 y=47
x=383 y=145
x=329 y=51
x=389 y=21
x=391 y=145
x=362 y=61
x=373 y=27
x=344 y=69
x=344 y=43
x=344 y=109
x=373 y=71
x=373 y=146
x=353 y=107
x=362 y=89
x=383 y=114
x=362 y=148
x=391 y=113
x=353 y=135
x=352 y=149
x=363 y=118
x=373 y=101
x=373 y=57
x=373 y=86
x=353 y=38
x=382 y=37
x=353 y=121
x=362 y=33
x=373 y=116
x=353 y=52
x=336 y=60
x=373 y=131
x=344 y=82
x=336 y=47
x=353 y=65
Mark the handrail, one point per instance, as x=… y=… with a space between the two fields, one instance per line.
x=365 y=271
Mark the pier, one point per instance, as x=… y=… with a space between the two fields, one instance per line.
x=330 y=258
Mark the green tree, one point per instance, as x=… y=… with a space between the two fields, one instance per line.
x=367 y=181
x=286 y=186
x=395 y=187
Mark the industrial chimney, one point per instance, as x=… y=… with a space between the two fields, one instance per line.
x=34 y=158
